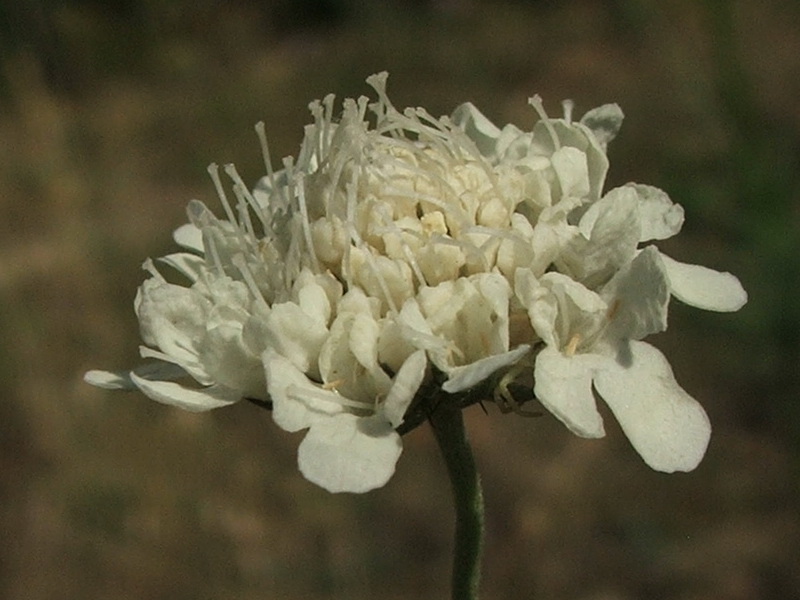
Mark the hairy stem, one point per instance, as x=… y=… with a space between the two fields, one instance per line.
x=447 y=422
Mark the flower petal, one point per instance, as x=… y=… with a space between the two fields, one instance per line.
x=297 y=402
x=109 y=380
x=611 y=230
x=477 y=127
x=191 y=399
x=121 y=380
x=346 y=453
x=189 y=236
x=661 y=218
x=185 y=263
x=467 y=376
x=667 y=427
x=404 y=387
x=638 y=297
x=294 y=333
x=703 y=287
x=564 y=387
x=604 y=121
x=572 y=171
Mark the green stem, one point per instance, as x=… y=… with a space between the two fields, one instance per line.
x=448 y=427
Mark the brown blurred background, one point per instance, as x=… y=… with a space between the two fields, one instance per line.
x=109 y=114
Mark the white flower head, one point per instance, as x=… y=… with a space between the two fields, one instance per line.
x=401 y=257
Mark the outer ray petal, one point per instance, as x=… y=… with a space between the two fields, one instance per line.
x=194 y=400
x=667 y=427
x=661 y=218
x=564 y=387
x=703 y=287
x=189 y=236
x=121 y=380
x=297 y=402
x=467 y=376
x=346 y=453
x=404 y=387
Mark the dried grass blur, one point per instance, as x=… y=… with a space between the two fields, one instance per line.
x=109 y=114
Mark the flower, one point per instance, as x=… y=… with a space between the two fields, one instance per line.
x=401 y=260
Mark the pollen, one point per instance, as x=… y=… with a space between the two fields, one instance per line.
x=332 y=385
x=572 y=346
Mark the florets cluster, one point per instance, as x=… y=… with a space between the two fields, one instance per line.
x=400 y=251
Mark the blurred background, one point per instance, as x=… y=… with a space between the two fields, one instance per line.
x=109 y=114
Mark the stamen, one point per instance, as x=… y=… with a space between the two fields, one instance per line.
x=301 y=199
x=572 y=346
x=378 y=83
x=536 y=103
x=237 y=180
x=362 y=103
x=245 y=220
x=213 y=171
x=211 y=245
x=262 y=138
x=356 y=238
x=327 y=121
x=240 y=263
x=568 y=106
x=332 y=385
x=316 y=111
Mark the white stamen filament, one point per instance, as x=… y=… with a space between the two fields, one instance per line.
x=359 y=243
x=568 y=105
x=211 y=246
x=213 y=171
x=301 y=200
x=248 y=197
x=536 y=103
x=240 y=263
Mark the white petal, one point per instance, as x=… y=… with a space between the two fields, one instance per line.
x=363 y=340
x=572 y=171
x=704 y=288
x=230 y=362
x=346 y=453
x=121 y=380
x=189 y=236
x=109 y=380
x=666 y=426
x=541 y=304
x=191 y=366
x=404 y=388
x=314 y=301
x=578 y=310
x=467 y=376
x=172 y=318
x=415 y=328
x=564 y=387
x=185 y=263
x=638 y=297
x=612 y=229
x=297 y=402
x=661 y=218
x=604 y=121
x=194 y=400
x=581 y=137
x=294 y=334
x=477 y=127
